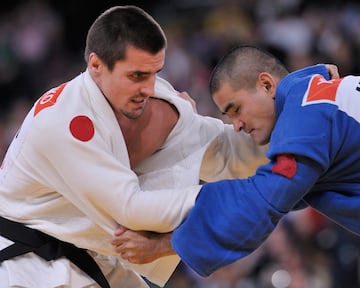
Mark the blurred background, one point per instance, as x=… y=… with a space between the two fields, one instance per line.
x=42 y=44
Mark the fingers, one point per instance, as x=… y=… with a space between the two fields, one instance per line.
x=333 y=71
x=120 y=231
x=124 y=240
x=184 y=95
x=132 y=255
x=187 y=97
x=137 y=247
x=117 y=241
x=134 y=260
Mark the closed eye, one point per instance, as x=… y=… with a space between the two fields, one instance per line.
x=234 y=111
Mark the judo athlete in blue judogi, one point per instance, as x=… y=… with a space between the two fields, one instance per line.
x=312 y=124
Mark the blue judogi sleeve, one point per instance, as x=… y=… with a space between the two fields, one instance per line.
x=232 y=218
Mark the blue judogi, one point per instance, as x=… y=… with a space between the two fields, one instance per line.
x=314 y=157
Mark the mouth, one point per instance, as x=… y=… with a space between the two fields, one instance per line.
x=249 y=131
x=139 y=103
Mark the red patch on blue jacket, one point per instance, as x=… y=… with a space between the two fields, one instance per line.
x=285 y=165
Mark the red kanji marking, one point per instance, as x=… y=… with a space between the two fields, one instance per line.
x=48 y=99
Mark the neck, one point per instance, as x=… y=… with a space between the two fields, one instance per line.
x=147 y=133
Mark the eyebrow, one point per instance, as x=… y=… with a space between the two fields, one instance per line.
x=145 y=72
x=228 y=107
x=139 y=72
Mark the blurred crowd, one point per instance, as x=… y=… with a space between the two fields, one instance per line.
x=41 y=45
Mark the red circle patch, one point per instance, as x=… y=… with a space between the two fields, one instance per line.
x=82 y=128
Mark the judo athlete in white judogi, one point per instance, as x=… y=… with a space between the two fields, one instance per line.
x=69 y=177
x=47 y=183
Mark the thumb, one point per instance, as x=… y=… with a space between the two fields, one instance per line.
x=120 y=230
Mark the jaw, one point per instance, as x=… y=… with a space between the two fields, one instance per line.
x=259 y=137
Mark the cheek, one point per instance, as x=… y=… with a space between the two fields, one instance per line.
x=267 y=110
x=119 y=88
x=126 y=87
x=115 y=92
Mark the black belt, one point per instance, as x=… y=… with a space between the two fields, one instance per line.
x=47 y=247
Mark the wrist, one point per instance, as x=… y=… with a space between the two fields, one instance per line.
x=165 y=247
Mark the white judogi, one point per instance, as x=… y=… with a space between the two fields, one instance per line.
x=67 y=173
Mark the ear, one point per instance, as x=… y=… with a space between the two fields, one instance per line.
x=267 y=82
x=95 y=64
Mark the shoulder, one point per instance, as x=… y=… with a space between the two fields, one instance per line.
x=163 y=112
x=53 y=112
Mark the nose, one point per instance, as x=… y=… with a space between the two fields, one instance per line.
x=148 y=88
x=237 y=124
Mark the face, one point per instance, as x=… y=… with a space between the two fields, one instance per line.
x=129 y=85
x=252 y=111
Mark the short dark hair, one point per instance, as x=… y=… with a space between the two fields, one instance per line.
x=241 y=66
x=122 y=26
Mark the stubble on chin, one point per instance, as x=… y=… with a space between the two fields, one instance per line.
x=134 y=114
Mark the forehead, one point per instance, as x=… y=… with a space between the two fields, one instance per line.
x=225 y=95
x=141 y=60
